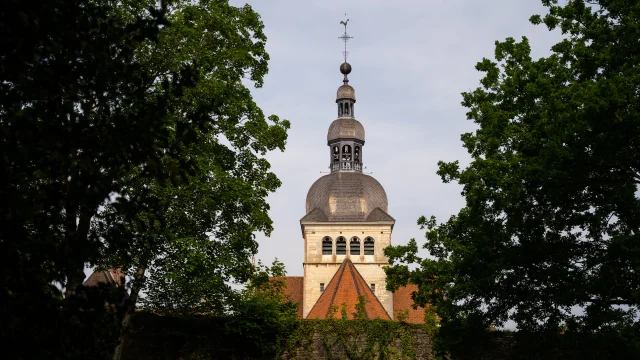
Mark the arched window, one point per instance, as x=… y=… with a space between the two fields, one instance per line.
x=346 y=109
x=346 y=153
x=327 y=246
x=354 y=246
x=356 y=154
x=341 y=246
x=340 y=109
x=368 y=246
x=336 y=154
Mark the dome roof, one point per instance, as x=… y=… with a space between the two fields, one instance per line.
x=345 y=128
x=346 y=92
x=346 y=196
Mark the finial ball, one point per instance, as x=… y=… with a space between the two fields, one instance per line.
x=345 y=68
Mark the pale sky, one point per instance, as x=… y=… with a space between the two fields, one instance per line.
x=411 y=60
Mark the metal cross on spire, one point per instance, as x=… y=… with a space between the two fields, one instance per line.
x=345 y=37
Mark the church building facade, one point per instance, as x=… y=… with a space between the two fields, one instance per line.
x=345 y=230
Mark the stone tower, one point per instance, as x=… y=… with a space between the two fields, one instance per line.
x=346 y=212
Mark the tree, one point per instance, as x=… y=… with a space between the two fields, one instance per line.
x=105 y=99
x=549 y=234
x=193 y=233
x=262 y=318
x=75 y=115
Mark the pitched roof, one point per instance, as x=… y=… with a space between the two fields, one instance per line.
x=113 y=277
x=315 y=215
x=345 y=287
x=294 y=286
x=402 y=303
x=379 y=215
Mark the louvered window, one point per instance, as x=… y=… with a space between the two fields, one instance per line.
x=368 y=246
x=354 y=246
x=327 y=246
x=341 y=246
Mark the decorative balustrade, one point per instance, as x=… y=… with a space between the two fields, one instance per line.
x=346 y=165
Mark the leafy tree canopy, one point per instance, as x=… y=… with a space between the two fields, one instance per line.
x=128 y=133
x=549 y=234
x=192 y=234
x=262 y=315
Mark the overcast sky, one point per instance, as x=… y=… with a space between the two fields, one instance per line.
x=411 y=60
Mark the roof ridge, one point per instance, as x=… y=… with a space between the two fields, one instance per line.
x=355 y=281
x=334 y=293
x=333 y=297
x=379 y=209
x=374 y=295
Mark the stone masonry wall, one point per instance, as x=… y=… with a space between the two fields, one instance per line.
x=316 y=348
x=169 y=338
x=320 y=268
x=159 y=337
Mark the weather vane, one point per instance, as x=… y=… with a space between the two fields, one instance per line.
x=345 y=37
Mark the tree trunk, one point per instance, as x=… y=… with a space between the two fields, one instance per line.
x=76 y=241
x=130 y=308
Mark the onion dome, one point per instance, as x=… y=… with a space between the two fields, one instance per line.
x=345 y=128
x=346 y=92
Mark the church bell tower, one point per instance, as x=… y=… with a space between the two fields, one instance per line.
x=346 y=153
x=346 y=226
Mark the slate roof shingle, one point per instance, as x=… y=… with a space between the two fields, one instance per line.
x=346 y=197
x=379 y=215
x=345 y=128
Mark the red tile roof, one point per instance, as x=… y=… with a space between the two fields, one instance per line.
x=402 y=302
x=344 y=288
x=294 y=286
x=110 y=277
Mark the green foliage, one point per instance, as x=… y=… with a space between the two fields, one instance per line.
x=431 y=320
x=258 y=323
x=262 y=316
x=552 y=214
x=75 y=116
x=129 y=140
x=343 y=311
x=361 y=312
x=358 y=339
x=332 y=311
x=192 y=234
x=173 y=337
x=402 y=315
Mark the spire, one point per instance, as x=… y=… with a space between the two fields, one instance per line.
x=347 y=287
x=345 y=37
x=346 y=95
x=346 y=134
x=345 y=68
